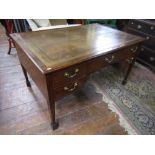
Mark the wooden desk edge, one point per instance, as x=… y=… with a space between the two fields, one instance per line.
x=47 y=69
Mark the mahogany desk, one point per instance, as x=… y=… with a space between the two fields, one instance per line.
x=60 y=60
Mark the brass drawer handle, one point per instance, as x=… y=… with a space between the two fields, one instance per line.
x=68 y=75
x=71 y=89
x=134 y=49
x=109 y=60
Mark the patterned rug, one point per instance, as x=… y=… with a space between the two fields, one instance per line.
x=135 y=100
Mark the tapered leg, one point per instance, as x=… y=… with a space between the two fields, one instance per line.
x=126 y=75
x=51 y=102
x=54 y=123
x=131 y=63
x=26 y=77
x=9 y=46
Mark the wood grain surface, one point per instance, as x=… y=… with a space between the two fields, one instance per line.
x=60 y=48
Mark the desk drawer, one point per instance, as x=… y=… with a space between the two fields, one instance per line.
x=69 y=74
x=68 y=88
x=115 y=57
x=126 y=53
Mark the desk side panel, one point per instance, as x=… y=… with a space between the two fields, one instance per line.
x=36 y=75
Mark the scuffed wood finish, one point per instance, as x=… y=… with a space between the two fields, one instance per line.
x=59 y=61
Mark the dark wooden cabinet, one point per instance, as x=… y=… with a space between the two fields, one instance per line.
x=146 y=29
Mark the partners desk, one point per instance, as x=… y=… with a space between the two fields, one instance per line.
x=60 y=60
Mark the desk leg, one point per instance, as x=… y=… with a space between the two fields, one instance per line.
x=128 y=70
x=126 y=75
x=10 y=45
x=54 y=123
x=51 y=103
x=26 y=77
x=131 y=63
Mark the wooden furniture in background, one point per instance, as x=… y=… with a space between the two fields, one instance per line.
x=146 y=29
x=9 y=29
x=60 y=61
x=13 y=26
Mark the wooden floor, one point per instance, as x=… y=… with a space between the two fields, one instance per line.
x=24 y=110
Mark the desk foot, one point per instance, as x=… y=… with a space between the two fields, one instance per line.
x=55 y=125
x=128 y=72
x=28 y=84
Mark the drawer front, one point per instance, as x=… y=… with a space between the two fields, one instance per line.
x=147 y=55
x=142 y=26
x=69 y=74
x=128 y=52
x=67 y=88
x=116 y=57
x=150 y=40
